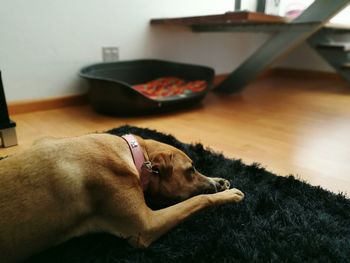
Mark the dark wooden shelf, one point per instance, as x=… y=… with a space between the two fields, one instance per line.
x=221 y=19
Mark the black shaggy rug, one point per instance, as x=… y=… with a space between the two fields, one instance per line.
x=280 y=220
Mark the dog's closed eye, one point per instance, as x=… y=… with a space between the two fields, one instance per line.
x=190 y=172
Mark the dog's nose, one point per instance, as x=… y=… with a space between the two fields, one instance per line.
x=222 y=185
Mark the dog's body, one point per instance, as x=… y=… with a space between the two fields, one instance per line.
x=61 y=188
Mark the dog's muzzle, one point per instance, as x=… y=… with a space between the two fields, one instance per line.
x=217 y=185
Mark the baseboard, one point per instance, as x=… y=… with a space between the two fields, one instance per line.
x=305 y=73
x=81 y=99
x=267 y=73
x=26 y=106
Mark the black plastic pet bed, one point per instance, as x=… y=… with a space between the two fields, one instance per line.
x=146 y=86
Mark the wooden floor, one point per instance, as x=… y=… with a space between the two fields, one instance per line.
x=289 y=124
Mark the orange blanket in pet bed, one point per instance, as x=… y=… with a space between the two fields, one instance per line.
x=170 y=86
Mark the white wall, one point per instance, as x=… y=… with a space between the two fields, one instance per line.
x=44 y=43
x=343 y=17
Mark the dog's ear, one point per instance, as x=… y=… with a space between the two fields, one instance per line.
x=162 y=163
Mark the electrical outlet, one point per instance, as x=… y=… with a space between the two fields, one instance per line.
x=110 y=54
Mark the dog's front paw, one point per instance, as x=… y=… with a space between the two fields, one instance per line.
x=231 y=195
x=221 y=184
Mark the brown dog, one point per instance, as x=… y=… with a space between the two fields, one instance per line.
x=61 y=188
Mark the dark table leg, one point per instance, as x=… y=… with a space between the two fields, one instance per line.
x=8 y=135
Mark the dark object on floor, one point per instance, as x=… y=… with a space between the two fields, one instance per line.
x=111 y=86
x=280 y=220
x=8 y=135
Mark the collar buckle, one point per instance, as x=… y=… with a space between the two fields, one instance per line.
x=149 y=167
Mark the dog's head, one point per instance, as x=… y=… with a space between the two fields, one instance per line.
x=175 y=178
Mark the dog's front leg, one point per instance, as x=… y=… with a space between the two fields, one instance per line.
x=161 y=221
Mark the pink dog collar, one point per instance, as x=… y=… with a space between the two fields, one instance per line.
x=143 y=167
